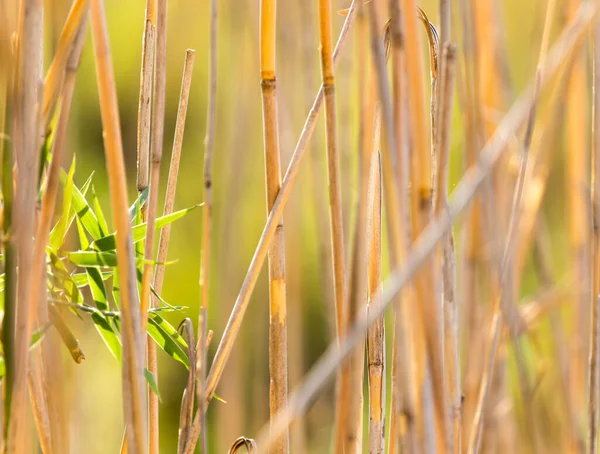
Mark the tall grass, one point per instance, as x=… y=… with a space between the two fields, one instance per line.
x=451 y=294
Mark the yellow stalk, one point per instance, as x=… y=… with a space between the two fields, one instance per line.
x=133 y=352
x=278 y=369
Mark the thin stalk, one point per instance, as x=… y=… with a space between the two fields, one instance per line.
x=26 y=143
x=404 y=388
x=158 y=129
x=55 y=77
x=186 y=414
x=421 y=201
x=165 y=233
x=133 y=352
x=376 y=334
x=461 y=199
x=209 y=142
x=594 y=359
x=448 y=261
x=241 y=304
x=38 y=286
x=579 y=216
x=278 y=368
x=335 y=197
x=145 y=99
x=344 y=426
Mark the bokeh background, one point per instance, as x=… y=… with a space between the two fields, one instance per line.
x=239 y=199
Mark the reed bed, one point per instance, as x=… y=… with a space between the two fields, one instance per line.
x=442 y=293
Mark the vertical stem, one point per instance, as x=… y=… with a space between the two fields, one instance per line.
x=26 y=143
x=421 y=210
x=133 y=352
x=376 y=334
x=277 y=288
x=158 y=126
x=594 y=359
x=451 y=353
x=209 y=143
x=335 y=209
x=579 y=218
x=145 y=99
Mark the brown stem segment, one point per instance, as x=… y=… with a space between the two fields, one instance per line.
x=134 y=395
x=277 y=284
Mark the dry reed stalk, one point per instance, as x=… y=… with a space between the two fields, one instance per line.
x=396 y=190
x=579 y=216
x=209 y=142
x=343 y=419
x=474 y=442
x=277 y=280
x=186 y=415
x=165 y=233
x=447 y=258
x=158 y=129
x=472 y=231
x=133 y=353
x=53 y=83
x=28 y=93
x=421 y=201
x=38 y=286
x=376 y=334
x=237 y=314
x=462 y=198
x=335 y=194
x=145 y=98
x=204 y=338
x=594 y=359
x=39 y=403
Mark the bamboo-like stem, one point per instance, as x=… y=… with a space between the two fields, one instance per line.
x=579 y=217
x=56 y=72
x=26 y=143
x=165 y=233
x=461 y=199
x=421 y=201
x=278 y=369
x=376 y=334
x=343 y=412
x=38 y=286
x=145 y=98
x=241 y=304
x=450 y=314
x=335 y=198
x=158 y=127
x=404 y=388
x=133 y=352
x=209 y=142
x=594 y=358
x=186 y=414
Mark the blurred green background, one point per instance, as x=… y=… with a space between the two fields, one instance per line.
x=239 y=199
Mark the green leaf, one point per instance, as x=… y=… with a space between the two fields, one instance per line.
x=99 y=212
x=80 y=279
x=139 y=202
x=86 y=215
x=108 y=243
x=57 y=236
x=64 y=280
x=168 y=339
x=152 y=382
x=83 y=239
x=110 y=338
x=91 y=258
x=37 y=336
